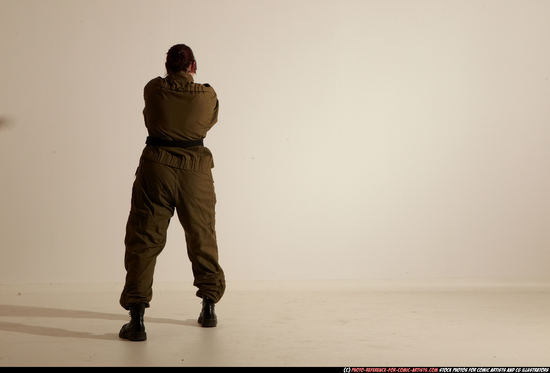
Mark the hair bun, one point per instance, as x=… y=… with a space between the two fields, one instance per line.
x=179 y=57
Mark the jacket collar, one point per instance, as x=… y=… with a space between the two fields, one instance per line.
x=181 y=75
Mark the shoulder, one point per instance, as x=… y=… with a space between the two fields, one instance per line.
x=200 y=88
x=208 y=88
x=155 y=82
x=179 y=86
x=158 y=79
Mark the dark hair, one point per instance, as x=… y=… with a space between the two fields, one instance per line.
x=178 y=58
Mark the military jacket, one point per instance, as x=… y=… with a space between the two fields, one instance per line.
x=177 y=108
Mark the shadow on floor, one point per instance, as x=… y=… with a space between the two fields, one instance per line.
x=51 y=332
x=4 y=122
x=30 y=311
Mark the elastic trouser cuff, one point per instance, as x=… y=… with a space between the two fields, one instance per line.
x=214 y=293
x=126 y=301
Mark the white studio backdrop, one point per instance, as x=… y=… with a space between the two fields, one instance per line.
x=371 y=140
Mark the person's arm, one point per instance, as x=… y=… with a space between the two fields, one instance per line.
x=146 y=94
x=214 y=104
x=215 y=112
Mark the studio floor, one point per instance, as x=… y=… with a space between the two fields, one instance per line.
x=321 y=323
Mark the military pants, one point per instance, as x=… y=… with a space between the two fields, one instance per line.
x=166 y=182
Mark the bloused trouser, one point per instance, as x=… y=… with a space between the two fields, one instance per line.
x=165 y=181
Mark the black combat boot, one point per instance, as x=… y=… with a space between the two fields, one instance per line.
x=135 y=329
x=207 y=318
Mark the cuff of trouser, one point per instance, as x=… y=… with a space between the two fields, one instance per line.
x=213 y=298
x=213 y=293
x=126 y=302
x=127 y=306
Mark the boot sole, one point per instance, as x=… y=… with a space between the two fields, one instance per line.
x=135 y=336
x=208 y=323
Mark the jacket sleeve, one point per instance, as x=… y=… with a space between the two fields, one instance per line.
x=146 y=90
x=215 y=112
x=214 y=105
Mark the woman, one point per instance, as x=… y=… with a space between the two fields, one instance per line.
x=174 y=173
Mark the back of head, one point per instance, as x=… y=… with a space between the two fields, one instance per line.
x=179 y=58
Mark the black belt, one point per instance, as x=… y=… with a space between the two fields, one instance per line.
x=180 y=144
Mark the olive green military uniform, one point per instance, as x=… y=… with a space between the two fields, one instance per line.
x=174 y=178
